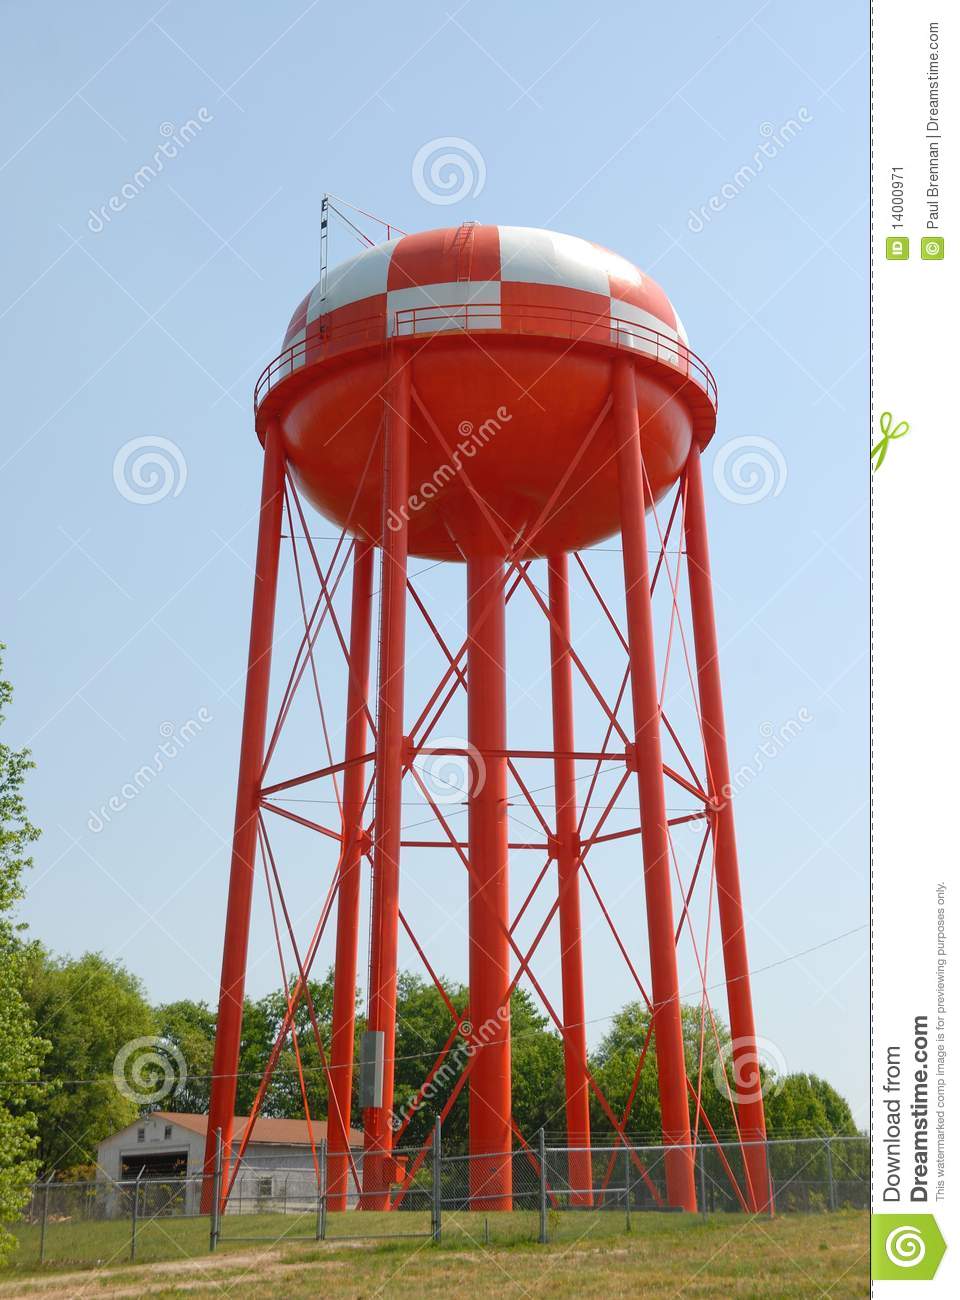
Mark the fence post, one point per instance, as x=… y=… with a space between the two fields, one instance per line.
x=773 y=1194
x=43 y=1220
x=832 y=1190
x=773 y=1184
x=136 y=1211
x=437 y=1157
x=322 y=1194
x=215 y=1204
x=543 y=1187
x=626 y=1188
x=702 y=1176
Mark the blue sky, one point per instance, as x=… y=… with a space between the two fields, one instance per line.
x=614 y=122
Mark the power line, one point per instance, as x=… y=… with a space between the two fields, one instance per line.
x=428 y=1051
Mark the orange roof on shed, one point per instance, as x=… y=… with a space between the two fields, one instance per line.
x=279 y=1132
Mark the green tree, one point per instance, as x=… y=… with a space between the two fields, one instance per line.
x=797 y=1105
x=262 y=1023
x=21 y=1048
x=424 y=1024
x=803 y=1105
x=89 y=1008
x=536 y=1068
x=189 y=1028
x=614 y=1065
x=423 y=1027
x=615 y=1061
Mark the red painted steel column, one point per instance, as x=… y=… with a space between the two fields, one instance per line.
x=491 y=1137
x=747 y=1082
x=223 y=1090
x=579 y=1162
x=675 y=1116
x=348 y=897
x=378 y=1169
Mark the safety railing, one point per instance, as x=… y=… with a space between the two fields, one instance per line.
x=323 y=340
x=575 y=325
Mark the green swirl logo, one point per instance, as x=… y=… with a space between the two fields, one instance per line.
x=905 y=1247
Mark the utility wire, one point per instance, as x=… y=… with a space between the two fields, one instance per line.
x=428 y=1051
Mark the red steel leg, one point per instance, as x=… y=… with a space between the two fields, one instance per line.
x=348 y=897
x=568 y=851
x=671 y=1070
x=223 y=1092
x=491 y=1179
x=729 y=903
x=378 y=1169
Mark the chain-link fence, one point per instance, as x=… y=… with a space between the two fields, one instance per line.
x=104 y=1220
x=536 y=1192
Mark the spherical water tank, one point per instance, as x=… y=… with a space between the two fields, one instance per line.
x=511 y=334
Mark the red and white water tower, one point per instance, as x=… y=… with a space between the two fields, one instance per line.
x=500 y=398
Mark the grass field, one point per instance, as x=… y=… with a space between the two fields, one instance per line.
x=790 y=1258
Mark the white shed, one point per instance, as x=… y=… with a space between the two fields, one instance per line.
x=278 y=1164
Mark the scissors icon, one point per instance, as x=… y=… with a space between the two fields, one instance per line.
x=889 y=432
